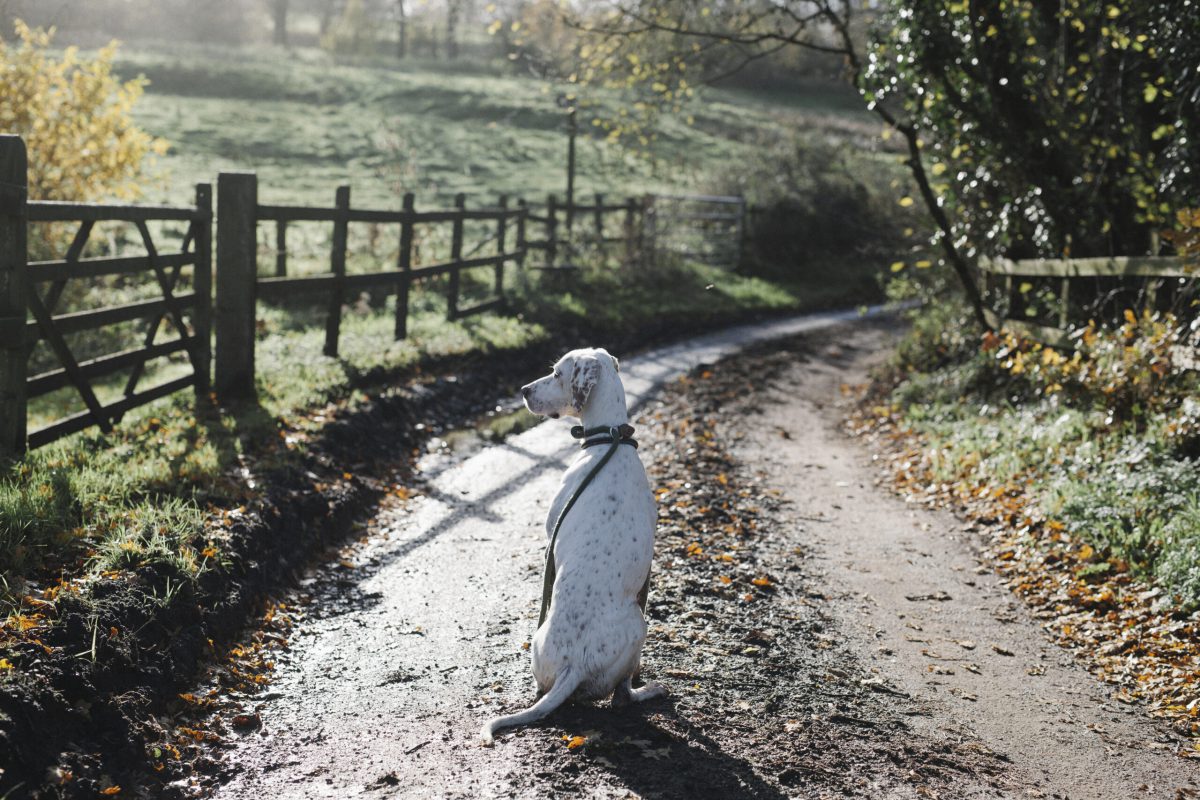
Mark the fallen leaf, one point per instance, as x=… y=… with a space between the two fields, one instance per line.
x=575 y=741
x=966 y=644
x=763 y=581
x=1002 y=650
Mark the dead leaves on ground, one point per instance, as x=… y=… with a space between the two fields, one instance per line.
x=1144 y=649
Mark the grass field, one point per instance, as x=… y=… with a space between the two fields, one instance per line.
x=306 y=124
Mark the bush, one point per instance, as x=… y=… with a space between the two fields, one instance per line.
x=75 y=117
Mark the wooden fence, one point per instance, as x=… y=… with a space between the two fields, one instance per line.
x=30 y=292
x=21 y=296
x=1001 y=276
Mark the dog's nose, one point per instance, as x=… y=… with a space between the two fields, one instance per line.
x=526 y=391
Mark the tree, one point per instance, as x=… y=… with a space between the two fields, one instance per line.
x=402 y=30
x=75 y=117
x=1030 y=128
x=279 y=17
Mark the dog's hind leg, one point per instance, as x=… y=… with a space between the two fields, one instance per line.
x=626 y=694
x=564 y=686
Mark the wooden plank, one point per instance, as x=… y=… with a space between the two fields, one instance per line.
x=703 y=198
x=456 y=246
x=73 y=253
x=237 y=268
x=201 y=231
x=53 y=380
x=42 y=271
x=281 y=254
x=337 y=259
x=551 y=230
x=14 y=288
x=1128 y=266
x=283 y=288
x=497 y=302
x=294 y=213
x=101 y=317
x=501 y=235
x=430 y=270
x=82 y=421
x=630 y=229
x=53 y=335
x=55 y=211
x=404 y=264
x=174 y=311
x=1052 y=337
x=522 y=248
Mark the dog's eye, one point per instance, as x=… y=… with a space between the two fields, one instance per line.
x=557 y=374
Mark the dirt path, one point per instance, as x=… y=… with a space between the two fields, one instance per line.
x=777 y=626
x=925 y=613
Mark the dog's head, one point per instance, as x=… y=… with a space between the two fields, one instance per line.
x=566 y=390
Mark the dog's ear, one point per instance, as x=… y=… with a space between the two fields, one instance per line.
x=584 y=374
x=616 y=363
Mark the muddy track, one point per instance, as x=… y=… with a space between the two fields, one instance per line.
x=796 y=615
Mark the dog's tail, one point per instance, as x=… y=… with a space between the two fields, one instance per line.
x=564 y=687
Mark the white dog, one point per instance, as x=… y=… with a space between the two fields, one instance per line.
x=590 y=644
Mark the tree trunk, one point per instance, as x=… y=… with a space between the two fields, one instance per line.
x=402 y=43
x=279 y=12
x=453 y=12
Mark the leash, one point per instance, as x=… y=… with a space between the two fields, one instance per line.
x=614 y=437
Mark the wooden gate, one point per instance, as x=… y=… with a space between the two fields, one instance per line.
x=706 y=228
x=36 y=315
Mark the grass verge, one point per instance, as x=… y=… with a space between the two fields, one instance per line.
x=1081 y=469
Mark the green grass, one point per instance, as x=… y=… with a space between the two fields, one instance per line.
x=1121 y=476
x=306 y=123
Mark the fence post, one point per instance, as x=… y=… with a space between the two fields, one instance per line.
x=522 y=241
x=237 y=273
x=404 y=263
x=501 y=235
x=630 y=231
x=337 y=260
x=741 y=235
x=281 y=248
x=649 y=243
x=599 y=216
x=551 y=231
x=14 y=283
x=202 y=286
x=456 y=245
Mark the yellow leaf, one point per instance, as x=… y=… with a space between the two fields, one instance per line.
x=1086 y=552
x=924 y=264
x=1149 y=93
x=5 y=663
x=905 y=201
x=725 y=579
x=763 y=581
x=1129 y=317
x=938 y=168
x=575 y=741
x=111 y=790
x=721 y=479
x=897 y=266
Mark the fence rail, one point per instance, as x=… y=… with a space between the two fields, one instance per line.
x=999 y=274
x=184 y=282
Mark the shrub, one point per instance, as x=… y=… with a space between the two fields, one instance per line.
x=74 y=115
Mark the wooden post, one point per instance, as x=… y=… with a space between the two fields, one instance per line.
x=573 y=125
x=14 y=285
x=456 y=245
x=551 y=231
x=404 y=264
x=649 y=232
x=599 y=216
x=630 y=231
x=337 y=261
x=522 y=241
x=1064 y=316
x=281 y=248
x=501 y=234
x=237 y=273
x=202 y=286
x=740 y=235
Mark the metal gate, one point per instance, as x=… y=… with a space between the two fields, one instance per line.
x=706 y=228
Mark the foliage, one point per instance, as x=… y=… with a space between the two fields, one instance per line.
x=1103 y=439
x=1051 y=129
x=76 y=118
